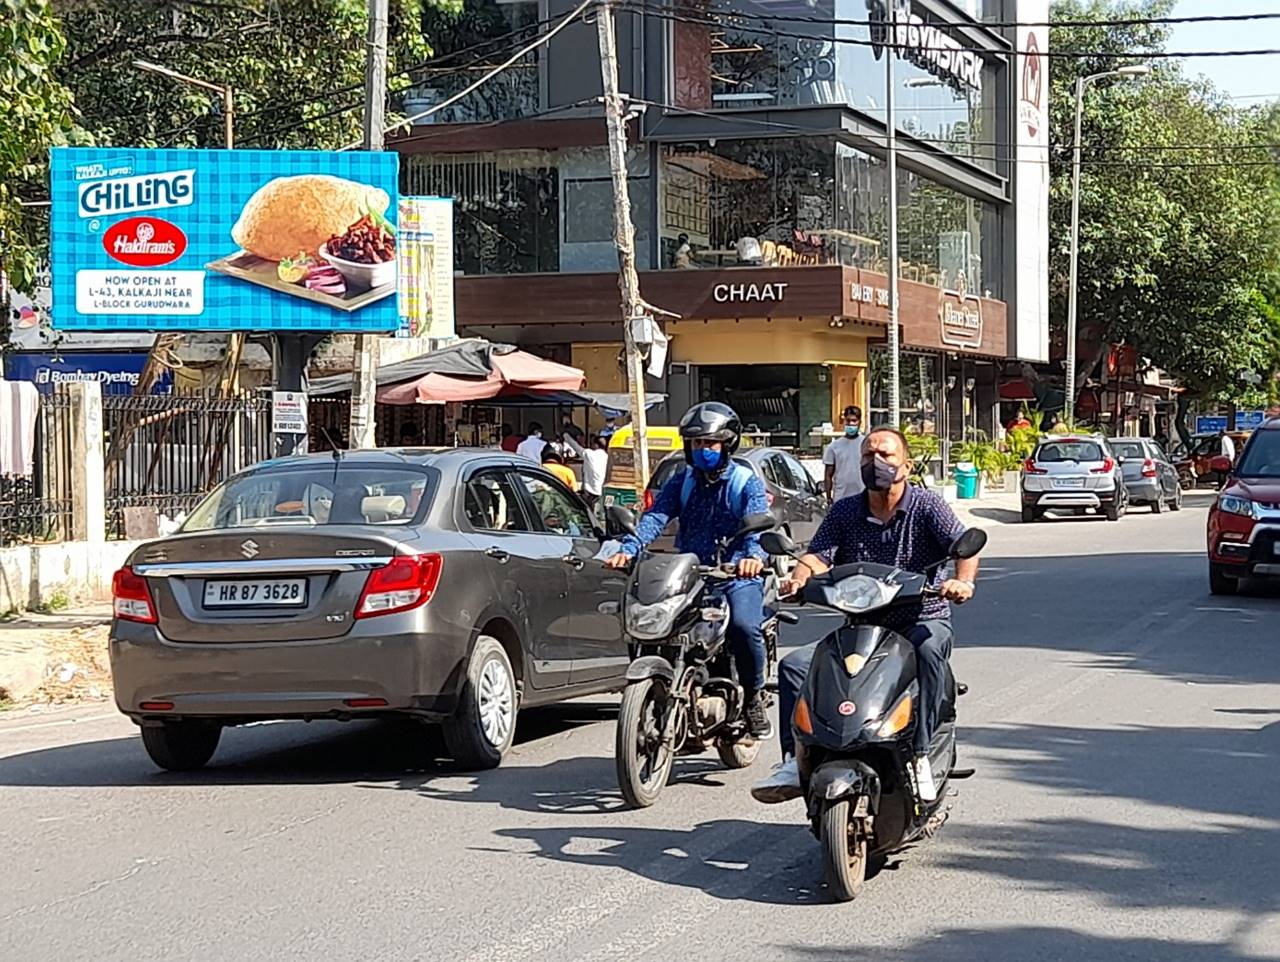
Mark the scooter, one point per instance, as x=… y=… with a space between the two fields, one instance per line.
x=857 y=714
x=682 y=693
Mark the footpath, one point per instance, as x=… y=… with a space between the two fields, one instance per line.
x=55 y=658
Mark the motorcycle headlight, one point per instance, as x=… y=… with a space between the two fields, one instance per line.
x=863 y=593
x=1233 y=505
x=653 y=621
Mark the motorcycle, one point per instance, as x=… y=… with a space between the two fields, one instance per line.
x=856 y=715
x=682 y=690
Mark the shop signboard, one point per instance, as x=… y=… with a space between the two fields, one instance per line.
x=960 y=316
x=1030 y=326
x=223 y=240
x=115 y=373
x=426 y=267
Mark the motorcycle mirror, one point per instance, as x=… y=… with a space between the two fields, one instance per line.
x=621 y=520
x=754 y=523
x=777 y=543
x=969 y=544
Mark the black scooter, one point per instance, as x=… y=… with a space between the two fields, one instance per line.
x=857 y=713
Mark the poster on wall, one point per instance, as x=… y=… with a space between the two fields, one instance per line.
x=223 y=240
x=426 y=267
x=1031 y=185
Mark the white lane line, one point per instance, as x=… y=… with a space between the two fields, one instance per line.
x=9 y=730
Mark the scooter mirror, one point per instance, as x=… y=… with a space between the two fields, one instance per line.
x=968 y=544
x=621 y=520
x=777 y=543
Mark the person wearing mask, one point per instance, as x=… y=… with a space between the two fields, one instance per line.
x=595 y=465
x=609 y=430
x=843 y=459
x=552 y=461
x=711 y=496
x=510 y=440
x=891 y=523
x=531 y=447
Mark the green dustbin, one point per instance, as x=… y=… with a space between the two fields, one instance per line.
x=966 y=481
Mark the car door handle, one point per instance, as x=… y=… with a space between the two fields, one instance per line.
x=574 y=562
x=498 y=555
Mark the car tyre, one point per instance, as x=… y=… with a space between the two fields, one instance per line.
x=181 y=746
x=482 y=729
x=1029 y=515
x=1175 y=503
x=1221 y=583
x=1157 y=506
x=1112 y=510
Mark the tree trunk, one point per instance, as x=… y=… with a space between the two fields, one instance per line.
x=1180 y=418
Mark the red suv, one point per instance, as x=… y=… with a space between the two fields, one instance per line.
x=1244 y=523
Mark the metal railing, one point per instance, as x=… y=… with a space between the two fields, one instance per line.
x=36 y=507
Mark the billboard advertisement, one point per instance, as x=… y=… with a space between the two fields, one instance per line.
x=223 y=240
x=425 y=232
x=1031 y=183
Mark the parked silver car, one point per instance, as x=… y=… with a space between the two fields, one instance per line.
x=451 y=586
x=1149 y=476
x=1073 y=473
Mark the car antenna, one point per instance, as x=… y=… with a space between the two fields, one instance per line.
x=333 y=445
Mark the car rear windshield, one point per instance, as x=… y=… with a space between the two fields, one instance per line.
x=1262 y=456
x=1128 y=449
x=671 y=466
x=1055 y=451
x=327 y=494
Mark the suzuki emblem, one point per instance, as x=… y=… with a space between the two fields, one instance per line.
x=249 y=549
x=847 y=708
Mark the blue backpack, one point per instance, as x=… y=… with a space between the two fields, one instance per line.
x=738 y=478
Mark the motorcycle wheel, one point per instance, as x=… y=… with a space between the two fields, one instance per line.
x=844 y=852
x=737 y=753
x=642 y=761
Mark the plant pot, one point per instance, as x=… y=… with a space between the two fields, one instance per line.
x=1011 y=480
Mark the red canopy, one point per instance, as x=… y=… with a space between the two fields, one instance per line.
x=514 y=372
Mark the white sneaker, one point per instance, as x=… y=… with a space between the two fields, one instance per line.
x=925 y=787
x=782 y=785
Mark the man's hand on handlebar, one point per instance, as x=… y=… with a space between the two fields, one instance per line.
x=750 y=567
x=618 y=561
x=958 y=591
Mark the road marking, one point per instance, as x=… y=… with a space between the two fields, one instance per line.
x=7 y=730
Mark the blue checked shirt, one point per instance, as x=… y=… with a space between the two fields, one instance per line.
x=706 y=517
x=919 y=534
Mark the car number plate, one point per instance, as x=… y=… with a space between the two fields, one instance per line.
x=1068 y=482
x=282 y=593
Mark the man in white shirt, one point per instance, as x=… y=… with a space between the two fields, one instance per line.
x=531 y=447
x=843 y=459
x=595 y=465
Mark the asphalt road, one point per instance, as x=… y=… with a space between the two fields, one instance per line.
x=1124 y=724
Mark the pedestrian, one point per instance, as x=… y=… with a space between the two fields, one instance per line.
x=409 y=436
x=595 y=465
x=510 y=440
x=1228 y=452
x=552 y=461
x=609 y=430
x=684 y=253
x=569 y=429
x=1019 y=422
x=531 y=447
x=843 y=459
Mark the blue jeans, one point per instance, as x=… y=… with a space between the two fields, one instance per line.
x=932 y=642
x=746 y=639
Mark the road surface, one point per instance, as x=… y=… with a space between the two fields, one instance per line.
x=1124 y=724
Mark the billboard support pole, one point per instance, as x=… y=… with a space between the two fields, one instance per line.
x=289 y=354
x=364 y=384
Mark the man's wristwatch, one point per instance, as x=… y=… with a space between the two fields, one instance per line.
x=972 y=587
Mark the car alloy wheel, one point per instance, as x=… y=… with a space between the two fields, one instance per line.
x=496 y=702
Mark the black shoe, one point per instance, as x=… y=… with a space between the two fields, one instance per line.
x=758 y=723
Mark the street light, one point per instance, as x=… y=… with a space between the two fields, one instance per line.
x=1133 y=70
x=228 y=104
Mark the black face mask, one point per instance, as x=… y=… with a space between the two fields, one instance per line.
x=878 y=474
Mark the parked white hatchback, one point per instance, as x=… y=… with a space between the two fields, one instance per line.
x=1073 y=473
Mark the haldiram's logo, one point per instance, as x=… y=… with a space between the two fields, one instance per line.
x=127 y=195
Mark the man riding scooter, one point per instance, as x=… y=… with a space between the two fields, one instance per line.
x=891 y=523
x=711 y=497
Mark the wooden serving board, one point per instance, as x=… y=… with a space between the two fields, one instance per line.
x=257 y=270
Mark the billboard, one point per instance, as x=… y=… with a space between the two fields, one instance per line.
x=1031 y=183
x=425 y=232
x=223 y=240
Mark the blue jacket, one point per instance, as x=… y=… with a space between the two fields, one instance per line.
x=707 y=517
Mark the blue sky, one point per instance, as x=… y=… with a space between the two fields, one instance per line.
x=1247 y=78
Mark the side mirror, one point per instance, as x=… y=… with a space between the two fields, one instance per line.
x=778 y=544
x=968 y=544
x=1220 y=465
x=754 y=524
x=621 y=520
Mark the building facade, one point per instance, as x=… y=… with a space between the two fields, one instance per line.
x=759 y=195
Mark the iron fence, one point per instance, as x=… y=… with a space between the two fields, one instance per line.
x=165 y=453
x=36 y=506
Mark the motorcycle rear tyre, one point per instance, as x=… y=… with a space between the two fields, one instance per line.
x=737 y=752
x=638 y=791
x=844 y=869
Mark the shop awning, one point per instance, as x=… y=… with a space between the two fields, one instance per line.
x=1018 y=390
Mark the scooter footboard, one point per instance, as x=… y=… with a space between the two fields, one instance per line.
x=843 y=778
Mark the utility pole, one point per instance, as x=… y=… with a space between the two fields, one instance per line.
x=891 y=151
x=624 y=237
x=364 y=382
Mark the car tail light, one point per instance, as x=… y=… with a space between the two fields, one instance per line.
x=648 y=498
x=1108 y=465
x=1148 y=468
x=131 y=597
x=407 y=582
x=1029 y=466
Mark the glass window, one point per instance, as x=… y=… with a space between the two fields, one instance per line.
x=1128 y=449
x=919 y=389
x=309 y=495
x=1055 y=452
x=492 y=503
x=802 y=481
x=560 y=513
x=1262 y=456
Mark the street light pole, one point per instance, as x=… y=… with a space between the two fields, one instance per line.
x=1135 y=70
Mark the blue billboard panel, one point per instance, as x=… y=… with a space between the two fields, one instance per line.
x=117 y=373
x=223 y=240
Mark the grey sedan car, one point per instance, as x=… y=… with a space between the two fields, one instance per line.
x=1149 y=476
x=452 y=586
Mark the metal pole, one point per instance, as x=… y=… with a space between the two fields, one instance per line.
x=228 y=118
x=1069 y=404
x=364 y=382
x=624 y=238
x=891 y=149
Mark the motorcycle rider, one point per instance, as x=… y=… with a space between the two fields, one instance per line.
x=712 y=507
x=892 y=523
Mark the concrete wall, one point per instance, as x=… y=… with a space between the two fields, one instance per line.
x=32 y=576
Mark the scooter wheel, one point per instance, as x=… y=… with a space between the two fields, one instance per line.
x=844 y=851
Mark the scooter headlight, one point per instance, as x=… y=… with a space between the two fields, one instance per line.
x=653 y=621
x=861 y=593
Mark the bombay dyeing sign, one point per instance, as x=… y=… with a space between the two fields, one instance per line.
x=223 y=240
